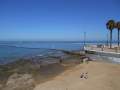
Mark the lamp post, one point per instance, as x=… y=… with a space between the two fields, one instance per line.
x=84 y=39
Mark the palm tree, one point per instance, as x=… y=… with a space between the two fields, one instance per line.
x=118 y=27
x=110 y=25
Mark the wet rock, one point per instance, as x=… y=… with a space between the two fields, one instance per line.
x=20 y=82
x=0 y=86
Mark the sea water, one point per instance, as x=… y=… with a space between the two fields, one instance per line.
x=13 y=50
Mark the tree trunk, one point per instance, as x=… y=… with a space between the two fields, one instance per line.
x=110 y=38
x=118 y=37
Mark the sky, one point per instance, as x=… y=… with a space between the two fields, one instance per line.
x=57 y=20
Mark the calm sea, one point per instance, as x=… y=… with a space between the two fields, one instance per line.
x=12 y=50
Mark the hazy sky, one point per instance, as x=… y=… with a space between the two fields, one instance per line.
x=56 y=19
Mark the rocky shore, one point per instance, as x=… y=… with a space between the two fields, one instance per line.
x=25 y=74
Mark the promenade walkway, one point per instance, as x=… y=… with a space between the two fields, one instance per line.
x=106 y=49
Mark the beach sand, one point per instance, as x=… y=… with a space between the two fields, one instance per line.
x=100 y=76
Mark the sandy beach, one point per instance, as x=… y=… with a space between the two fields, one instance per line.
x=71 y=74
x=100 y=76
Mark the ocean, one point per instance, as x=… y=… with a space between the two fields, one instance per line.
x=13 y=50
